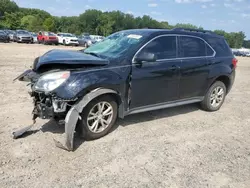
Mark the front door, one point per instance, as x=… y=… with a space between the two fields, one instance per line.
x=156 y=82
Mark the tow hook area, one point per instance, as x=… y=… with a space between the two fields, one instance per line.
x=20 y=132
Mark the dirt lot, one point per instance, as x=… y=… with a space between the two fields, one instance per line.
x=178 y=147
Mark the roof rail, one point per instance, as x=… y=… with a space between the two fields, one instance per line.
x=194 y=30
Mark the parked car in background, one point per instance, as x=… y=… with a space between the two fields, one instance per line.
x=4 y=36
x=34 y=35
x=23 y=36
x=11 y=35
x=97 y=38
x=85 y=34
x=130 y=72
x=86 y=41
x=247 y=54
x=67 y=39
x=46 y=37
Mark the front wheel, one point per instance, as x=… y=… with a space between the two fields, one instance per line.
x=215 y=97
x=98 y=117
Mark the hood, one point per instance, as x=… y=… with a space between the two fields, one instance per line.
x=67 y=58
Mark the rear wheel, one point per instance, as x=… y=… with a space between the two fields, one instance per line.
x=215 y=97
x=98 y=117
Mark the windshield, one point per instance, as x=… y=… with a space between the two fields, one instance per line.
x=116 y=44
x=87 y=37
x=22 y=32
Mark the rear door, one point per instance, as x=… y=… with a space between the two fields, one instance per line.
x=195 y=66
x=156 y=82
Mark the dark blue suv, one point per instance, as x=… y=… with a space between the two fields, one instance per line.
x=129 y=72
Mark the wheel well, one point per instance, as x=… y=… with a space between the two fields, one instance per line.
x=114 y=96
x=225 y=80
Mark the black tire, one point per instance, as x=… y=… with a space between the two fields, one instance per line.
x=82 y=126
x=206 y=103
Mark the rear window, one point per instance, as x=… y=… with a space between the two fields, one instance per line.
x=191 y=47
x=220 y=46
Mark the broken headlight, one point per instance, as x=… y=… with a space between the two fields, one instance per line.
x=51 y=81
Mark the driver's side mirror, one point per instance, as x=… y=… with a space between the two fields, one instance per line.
x=145 y=56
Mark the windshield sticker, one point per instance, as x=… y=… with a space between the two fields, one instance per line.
x=134 y=36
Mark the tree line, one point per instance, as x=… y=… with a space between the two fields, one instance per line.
x=92 y=21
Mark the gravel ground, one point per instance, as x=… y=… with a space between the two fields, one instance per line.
x=177 y=147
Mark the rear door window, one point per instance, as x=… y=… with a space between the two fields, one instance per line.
x=209 y=50
x=163 y=47
x=191 y=47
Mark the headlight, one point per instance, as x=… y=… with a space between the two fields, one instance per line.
x=51 y=81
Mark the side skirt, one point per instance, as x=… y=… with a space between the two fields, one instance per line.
x=164 y=105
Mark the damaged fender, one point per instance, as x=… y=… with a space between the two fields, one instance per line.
x=74 y=114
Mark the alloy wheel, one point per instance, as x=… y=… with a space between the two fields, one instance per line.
x=100 y=117
x=217 y=96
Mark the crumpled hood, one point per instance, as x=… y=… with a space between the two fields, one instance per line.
x=67 y=57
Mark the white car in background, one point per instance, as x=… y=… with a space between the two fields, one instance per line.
x=97 y=38
x=67 y=39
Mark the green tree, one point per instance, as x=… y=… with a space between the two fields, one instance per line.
x=188 y=26
x=105 y=24
x=7 y=6
x=12 y=20
x=49 y=24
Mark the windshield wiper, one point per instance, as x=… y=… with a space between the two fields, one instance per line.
x=92 y=53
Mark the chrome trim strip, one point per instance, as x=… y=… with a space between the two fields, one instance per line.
x=164 y=105
x=177 y=35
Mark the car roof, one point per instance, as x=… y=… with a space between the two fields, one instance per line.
x=178 y=31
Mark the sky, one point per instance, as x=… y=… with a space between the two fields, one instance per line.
x=229 y=15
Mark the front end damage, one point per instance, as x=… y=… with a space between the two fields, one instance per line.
x=49 y=106
x=57 y=81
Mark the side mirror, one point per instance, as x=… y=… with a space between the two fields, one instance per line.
x=147 y=57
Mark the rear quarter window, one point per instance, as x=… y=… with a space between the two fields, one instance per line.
x=220 y=46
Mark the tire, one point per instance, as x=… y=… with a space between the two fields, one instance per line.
x=209 y=104
x=84 y=125
x=64 y=43
x=85 y=45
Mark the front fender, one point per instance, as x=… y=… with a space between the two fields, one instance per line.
x=73 y=114
x=80 y=83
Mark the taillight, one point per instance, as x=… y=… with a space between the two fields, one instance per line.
x=234 y=62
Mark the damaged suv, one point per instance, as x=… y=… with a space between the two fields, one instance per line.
x=129 y=72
